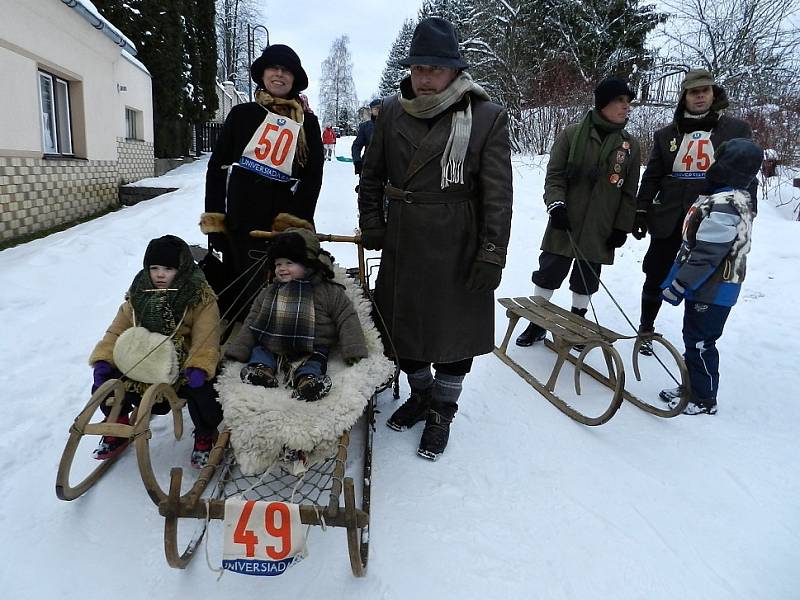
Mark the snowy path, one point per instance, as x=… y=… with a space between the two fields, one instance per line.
x=524 y=504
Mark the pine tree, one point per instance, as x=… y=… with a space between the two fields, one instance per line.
x=338 y=99
x=393 y=72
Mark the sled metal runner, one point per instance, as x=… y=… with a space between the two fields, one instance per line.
x=568 y=330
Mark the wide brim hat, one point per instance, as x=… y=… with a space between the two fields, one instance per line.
x=280 y=54
x=435 y=43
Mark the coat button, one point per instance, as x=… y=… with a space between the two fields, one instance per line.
x=490 y=247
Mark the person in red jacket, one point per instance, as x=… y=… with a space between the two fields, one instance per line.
x=329 y=141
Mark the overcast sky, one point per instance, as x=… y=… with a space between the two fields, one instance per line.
x=310 y=27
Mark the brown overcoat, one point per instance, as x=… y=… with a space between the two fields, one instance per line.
x=433 y=236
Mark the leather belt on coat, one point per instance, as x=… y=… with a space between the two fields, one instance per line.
x=410 y=197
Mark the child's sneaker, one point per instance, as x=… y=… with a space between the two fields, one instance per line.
x=110 y=445
x=259 y=374
x=700 y=409
x=671 y=396
x=312 y=387
x=202 y=449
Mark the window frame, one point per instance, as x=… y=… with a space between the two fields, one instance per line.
x=61 y=115
x=132 y=124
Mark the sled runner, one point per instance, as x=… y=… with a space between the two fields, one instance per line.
x=570 y=330
x=138 y=433
x=273 y=450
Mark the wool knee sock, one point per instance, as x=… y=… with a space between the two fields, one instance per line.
x=447 y=388
x=580 y=301
x=543 y=292
x=421 y=380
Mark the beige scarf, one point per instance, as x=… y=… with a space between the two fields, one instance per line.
x=288 y=108
x=427 y=107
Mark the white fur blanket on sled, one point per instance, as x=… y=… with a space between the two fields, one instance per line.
x=266 y=422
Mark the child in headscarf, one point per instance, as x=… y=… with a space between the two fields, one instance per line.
x=169 y=296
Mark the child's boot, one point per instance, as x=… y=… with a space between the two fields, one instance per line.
x=259 y=374
x=202 y=449
x=312 y=387
x=110 y=445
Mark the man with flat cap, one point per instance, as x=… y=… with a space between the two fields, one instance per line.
x=675 y=175
x=440 y=155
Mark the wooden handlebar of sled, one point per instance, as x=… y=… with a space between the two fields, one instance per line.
x=323 y=237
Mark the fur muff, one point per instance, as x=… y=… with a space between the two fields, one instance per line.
x=284 y=221
x=266 y=422
x=211 y=222
x=146 y=356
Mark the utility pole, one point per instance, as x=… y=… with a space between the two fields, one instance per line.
x=251 y=40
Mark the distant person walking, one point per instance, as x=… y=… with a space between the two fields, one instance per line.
x=329 y=141
x=364 y=136
x=682 y=153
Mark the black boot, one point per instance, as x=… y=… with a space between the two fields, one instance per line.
x=437 y=430
x=650 y=307
x=646 y=349
x=532 y=334
x=412 y=411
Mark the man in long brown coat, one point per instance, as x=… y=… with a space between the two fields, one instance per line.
x=440 y=155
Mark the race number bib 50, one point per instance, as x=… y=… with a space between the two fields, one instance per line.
x=262 y=538
x=270 y=152
x=695 y=156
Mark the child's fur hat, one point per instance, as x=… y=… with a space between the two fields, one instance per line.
x=297 y=242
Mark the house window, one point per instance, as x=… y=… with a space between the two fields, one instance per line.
x=56 y=126
x=133 y=119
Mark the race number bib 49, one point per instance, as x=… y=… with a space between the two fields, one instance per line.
x=695 y=156
x=270 y=152
x=262 y=538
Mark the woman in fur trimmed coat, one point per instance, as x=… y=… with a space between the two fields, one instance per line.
x=239 y=199
x=169 y=295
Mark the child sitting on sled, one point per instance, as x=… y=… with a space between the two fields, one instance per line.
x=170 y=297
x=710 y=267
x=298 y=317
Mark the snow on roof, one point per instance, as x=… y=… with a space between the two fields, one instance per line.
x=87 y=8
x=133 y=60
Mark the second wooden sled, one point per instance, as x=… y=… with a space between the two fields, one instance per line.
x=570 y=330
x=112 y=393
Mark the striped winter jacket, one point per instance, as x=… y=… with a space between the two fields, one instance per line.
x=711 y=263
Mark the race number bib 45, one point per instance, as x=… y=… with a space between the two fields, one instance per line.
x=270 y=152
x=262 y=538
x=695 y=156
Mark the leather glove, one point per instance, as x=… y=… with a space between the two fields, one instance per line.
x=558 y=216
x=357 y=166
x=372 y=239
x=640 y=225
x=102 y=372
x=219 y=241
x=352 y=360
x=484 y=276
x=195 y=377
x=674 y=293
x=616 y=239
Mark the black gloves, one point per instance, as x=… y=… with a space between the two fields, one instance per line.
x=357 y=167
x=640 y=225
x=484 y=276
x=558 y=216
x=372 y=239
x=616 y=239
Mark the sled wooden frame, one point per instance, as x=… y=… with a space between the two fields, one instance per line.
x=569 y=330
x=341 y=510
x=112 y=392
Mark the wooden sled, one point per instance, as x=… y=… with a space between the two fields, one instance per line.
x=569 y=330
x=112 y=393
x=327 y=495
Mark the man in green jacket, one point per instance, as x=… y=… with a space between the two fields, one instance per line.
x=589 y=191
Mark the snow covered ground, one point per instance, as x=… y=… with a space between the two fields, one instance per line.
x=524 y=504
